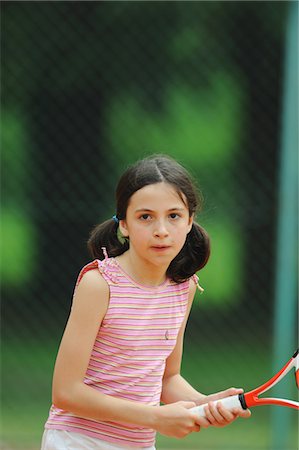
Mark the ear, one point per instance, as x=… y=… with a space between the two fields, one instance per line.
x=190 y=223
x=123 y=228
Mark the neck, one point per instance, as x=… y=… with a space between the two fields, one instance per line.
x=141 y=271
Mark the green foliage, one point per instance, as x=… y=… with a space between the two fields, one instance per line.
x=18 y=247
x=200 y=127
x=13 y=155
x=222 y=278
x=18 y=238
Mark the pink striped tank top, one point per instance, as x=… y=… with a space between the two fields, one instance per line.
x=137 y=334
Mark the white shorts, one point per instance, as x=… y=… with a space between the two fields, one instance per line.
x=68 y=440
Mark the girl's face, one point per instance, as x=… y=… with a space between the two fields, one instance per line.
x=157 y=223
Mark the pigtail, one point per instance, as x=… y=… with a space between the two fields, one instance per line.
x=106 y=235
x=193 y=256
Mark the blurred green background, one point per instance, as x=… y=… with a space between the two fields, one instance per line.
x=89 y=87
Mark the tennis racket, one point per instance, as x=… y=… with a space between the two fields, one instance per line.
x=249 y=399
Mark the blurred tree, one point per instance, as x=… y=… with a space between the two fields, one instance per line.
x=102 y=82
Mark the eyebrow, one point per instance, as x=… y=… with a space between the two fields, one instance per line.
x=151 y=210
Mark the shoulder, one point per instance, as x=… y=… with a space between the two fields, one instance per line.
x=92 y=291
x=188 y=287
x=192 y=290
x=92 y=280
x=192 y=287
x=92 y=276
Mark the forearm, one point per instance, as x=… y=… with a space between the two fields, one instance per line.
x=176 y=388
x=84 y=401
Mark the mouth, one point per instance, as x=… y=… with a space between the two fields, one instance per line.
x=160 y=248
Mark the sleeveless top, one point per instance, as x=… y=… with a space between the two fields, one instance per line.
x=136 y=336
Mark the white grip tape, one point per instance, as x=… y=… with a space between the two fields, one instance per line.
x=228 y=402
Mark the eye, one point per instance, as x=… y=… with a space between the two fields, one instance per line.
x=174 y=216
x=145 y=217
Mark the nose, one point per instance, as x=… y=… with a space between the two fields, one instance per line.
x=160 y=229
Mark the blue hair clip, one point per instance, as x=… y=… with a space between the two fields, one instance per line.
x=115 y=218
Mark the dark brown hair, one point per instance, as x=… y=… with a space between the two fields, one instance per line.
x=156 y=169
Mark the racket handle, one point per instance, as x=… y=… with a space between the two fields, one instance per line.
x=232 y=402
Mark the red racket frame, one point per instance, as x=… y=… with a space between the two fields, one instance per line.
x=251 y=398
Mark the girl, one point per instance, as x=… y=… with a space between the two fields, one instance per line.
x=121 y=352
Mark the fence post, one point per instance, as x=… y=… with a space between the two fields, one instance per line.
x=286 y=256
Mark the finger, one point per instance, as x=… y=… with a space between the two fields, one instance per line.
x=208 y=414
x=187 y=405
x=241 y=412
x=214 y=415
x=222 y=415
x=222 y=394
x=232 y=391
x=202 y=422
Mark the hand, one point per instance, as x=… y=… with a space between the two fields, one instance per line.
x=176 y=419
x=217 y=414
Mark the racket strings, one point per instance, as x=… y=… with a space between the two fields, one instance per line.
x=252 y=397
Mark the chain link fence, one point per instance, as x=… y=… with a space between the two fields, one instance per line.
x=89 y=87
